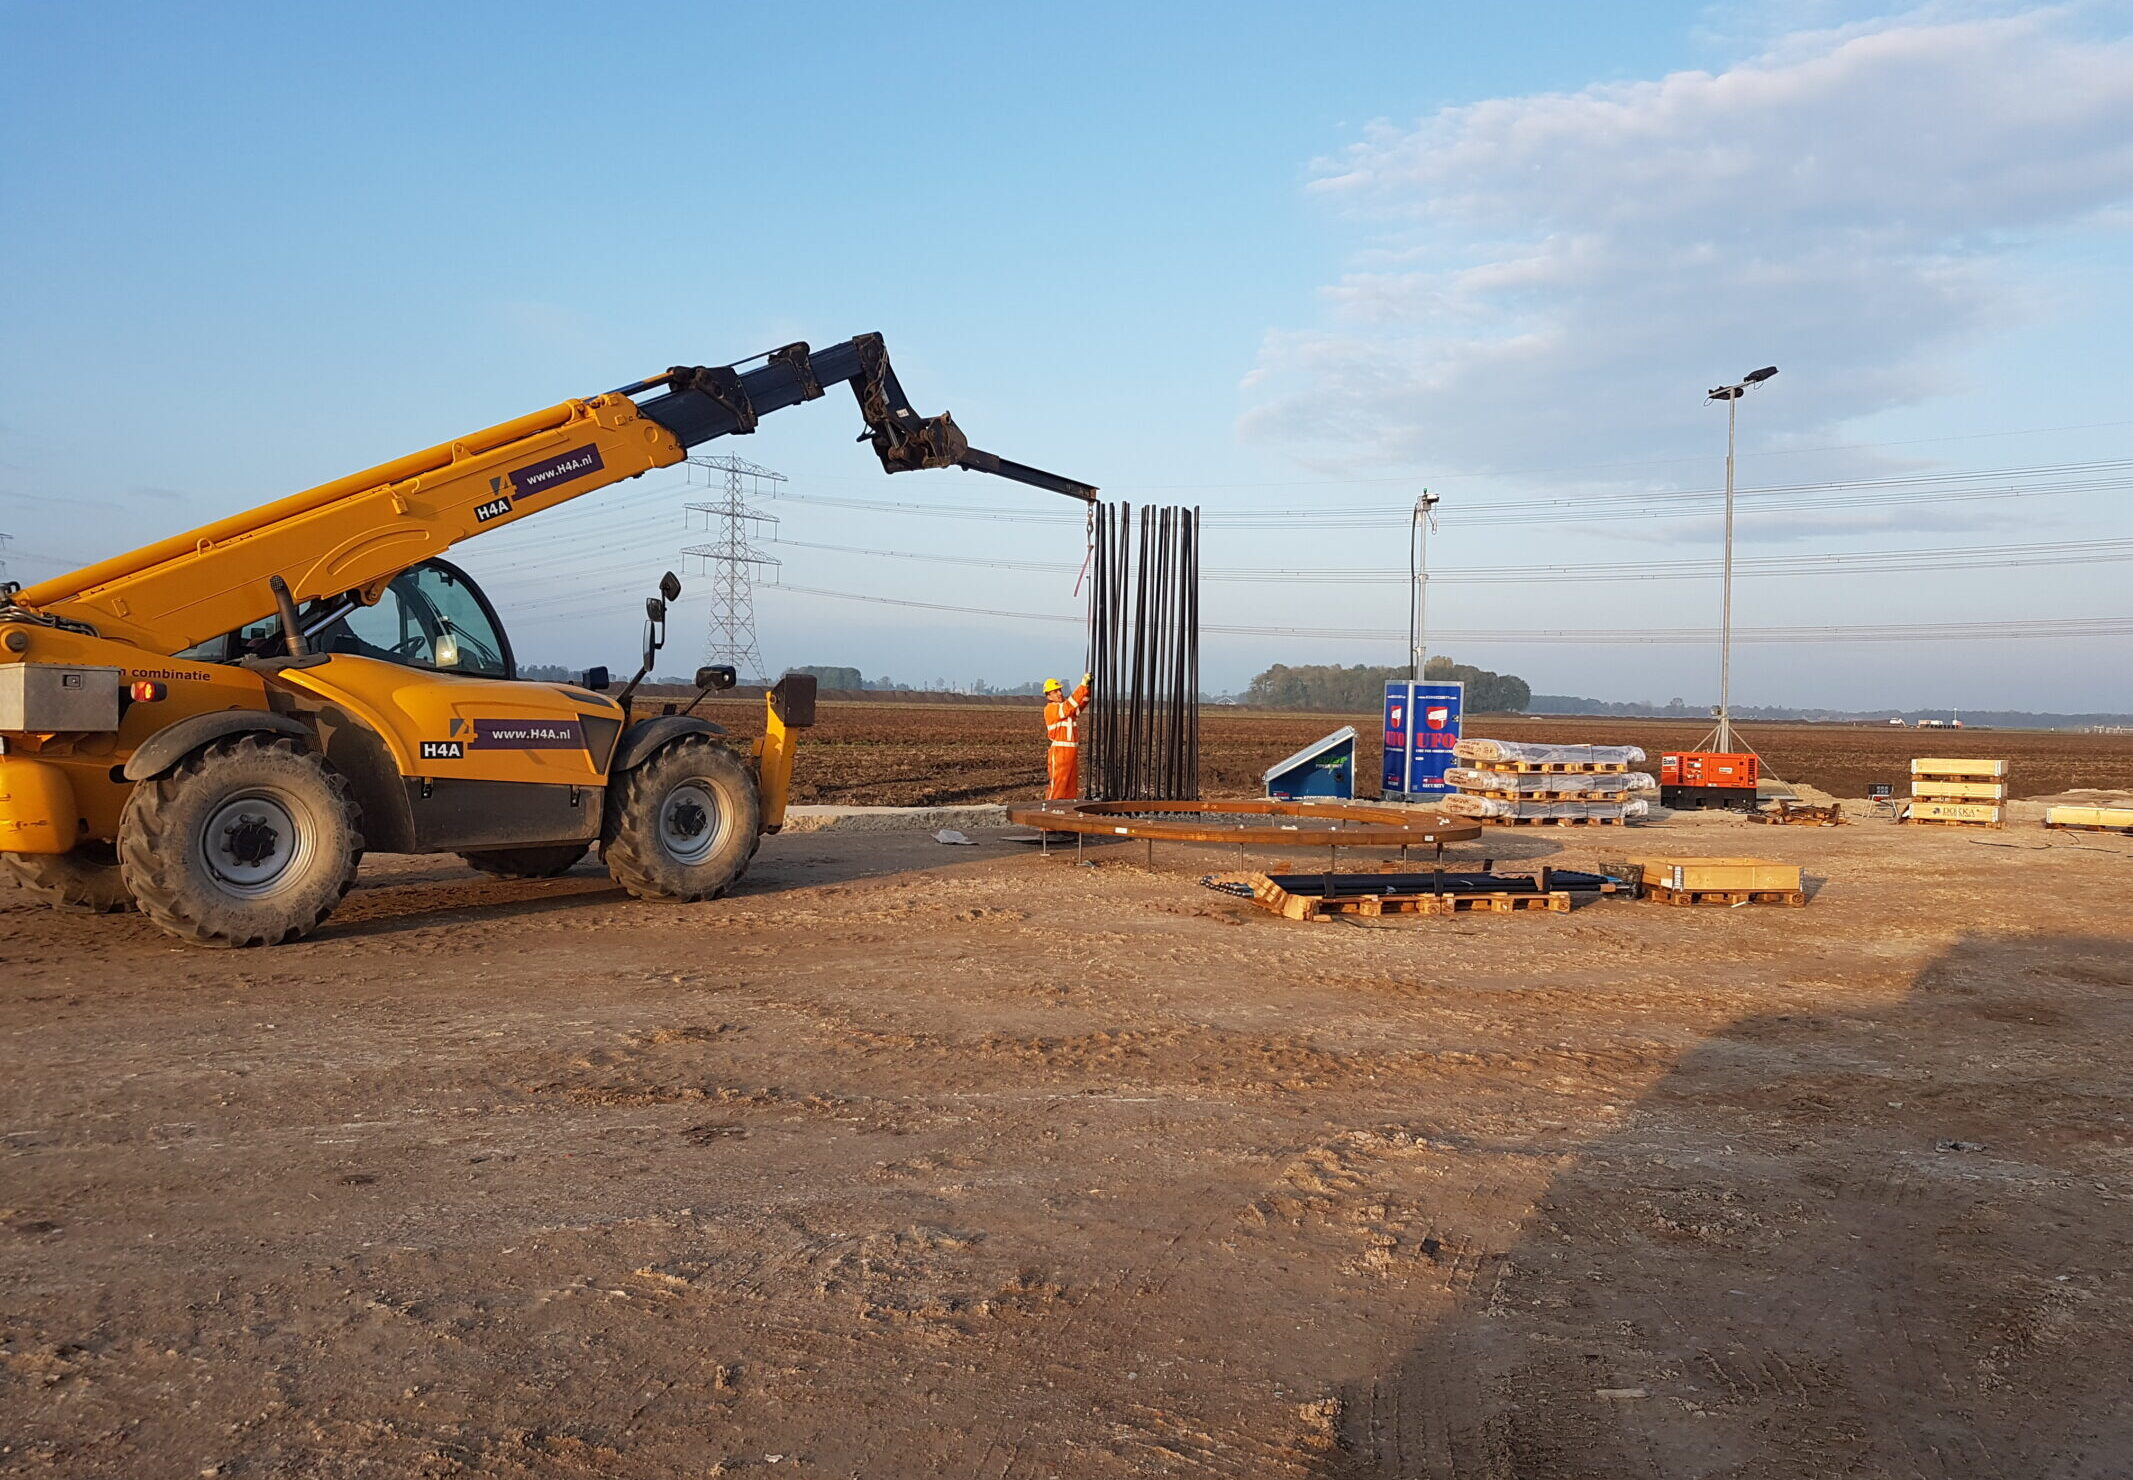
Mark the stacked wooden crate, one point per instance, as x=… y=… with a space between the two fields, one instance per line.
x=1523 y=783
x=1968 y=793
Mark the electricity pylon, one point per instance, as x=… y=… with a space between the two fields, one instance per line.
x=730 y=557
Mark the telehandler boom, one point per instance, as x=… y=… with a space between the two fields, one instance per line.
x=214 y=728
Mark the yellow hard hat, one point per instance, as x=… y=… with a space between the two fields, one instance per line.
x=1051 y=684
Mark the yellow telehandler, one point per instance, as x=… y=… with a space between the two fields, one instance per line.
x=215 y=728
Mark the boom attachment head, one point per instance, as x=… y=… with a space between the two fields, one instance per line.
x=703 y=401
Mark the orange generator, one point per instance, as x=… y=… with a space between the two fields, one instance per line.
x=1708 y=778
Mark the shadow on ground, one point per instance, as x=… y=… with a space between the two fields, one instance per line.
x=414 y=893
x=1889 y=1243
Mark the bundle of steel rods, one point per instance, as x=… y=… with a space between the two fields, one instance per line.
x=1142 y=732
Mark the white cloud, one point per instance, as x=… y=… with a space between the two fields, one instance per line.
x=1547 y=277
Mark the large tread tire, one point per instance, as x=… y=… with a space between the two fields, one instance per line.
x=656 y=844
x=543 y=862
x=192 y=873
x=86 y=880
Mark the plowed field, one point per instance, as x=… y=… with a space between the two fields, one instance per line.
x=918 y=754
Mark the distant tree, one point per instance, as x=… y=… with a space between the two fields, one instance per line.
x=1360 y=688
x=832 y=678
x=550 y=672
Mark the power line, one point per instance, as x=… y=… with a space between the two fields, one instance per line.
x=2047 y=480
x=2057 y=628
x=1590 y=468
x=2064 y=552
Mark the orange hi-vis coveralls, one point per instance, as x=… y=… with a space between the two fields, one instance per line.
x=1062 y=759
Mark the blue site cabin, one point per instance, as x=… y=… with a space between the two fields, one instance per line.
x=1324 y=768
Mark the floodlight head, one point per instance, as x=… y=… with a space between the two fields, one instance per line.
x=1757 y=377
x=1725 y=393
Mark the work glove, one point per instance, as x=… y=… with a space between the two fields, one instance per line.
x=1085 y=680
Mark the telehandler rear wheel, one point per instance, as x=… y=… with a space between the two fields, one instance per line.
x=684 y=824
x=86 y=879
x=543 y=862
x=251 y=841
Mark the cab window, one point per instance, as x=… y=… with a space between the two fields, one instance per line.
x=429 y=617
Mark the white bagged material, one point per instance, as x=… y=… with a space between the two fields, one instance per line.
x=1504 y=752
x=1461 y=805
x=1467 y=778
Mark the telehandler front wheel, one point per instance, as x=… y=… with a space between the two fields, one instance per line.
x=251 y=841
x=542 y=861
x=85 y=879
x=684 y=824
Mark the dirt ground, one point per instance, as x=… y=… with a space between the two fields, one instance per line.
x=924 y=754
x=913 y=1160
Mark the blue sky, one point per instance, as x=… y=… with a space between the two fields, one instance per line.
x=1269 y=259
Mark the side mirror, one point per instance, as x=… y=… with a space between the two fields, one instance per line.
x=717 y=676
x=596 y=679
x=655 y=632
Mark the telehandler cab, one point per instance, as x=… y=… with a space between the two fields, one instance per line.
x=215 y=728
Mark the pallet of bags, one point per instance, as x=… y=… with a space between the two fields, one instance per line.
x=1543 y=813
x=1520 y=782
x=1550 y=786
x=1526 y=755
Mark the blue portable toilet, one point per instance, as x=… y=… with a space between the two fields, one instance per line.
x=1421 y=728
x=1324 y=768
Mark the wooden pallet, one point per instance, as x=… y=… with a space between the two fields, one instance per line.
x=1269 y=895
x=2101 y=827
x=1551 y=768
x=1552 y=821
x=1547 y=796
x=1951 y=822
x=1724 y=896
x=1370 y=906
x=1802 y=816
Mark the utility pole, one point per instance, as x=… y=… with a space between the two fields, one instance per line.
x=1730 y=394
x=1422 y=521
x=731 y=558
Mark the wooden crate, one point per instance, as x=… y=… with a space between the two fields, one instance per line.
x=1972 y=814
x=1698 y=875
x=1948 y=789
x=2111 y=819
x=1929 y=765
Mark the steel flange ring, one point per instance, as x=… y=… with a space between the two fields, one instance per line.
x=1294 y=823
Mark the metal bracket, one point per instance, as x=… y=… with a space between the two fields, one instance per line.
x=801 y=362
x=722 y=383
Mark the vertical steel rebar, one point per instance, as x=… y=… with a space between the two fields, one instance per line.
x=1143 y=729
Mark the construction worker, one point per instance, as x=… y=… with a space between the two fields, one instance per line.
x=1062 y=726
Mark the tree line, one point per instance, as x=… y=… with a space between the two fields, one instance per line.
x=1360 y=688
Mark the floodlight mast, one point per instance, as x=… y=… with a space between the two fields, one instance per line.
x=1422 y=521
x=1730 y=394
